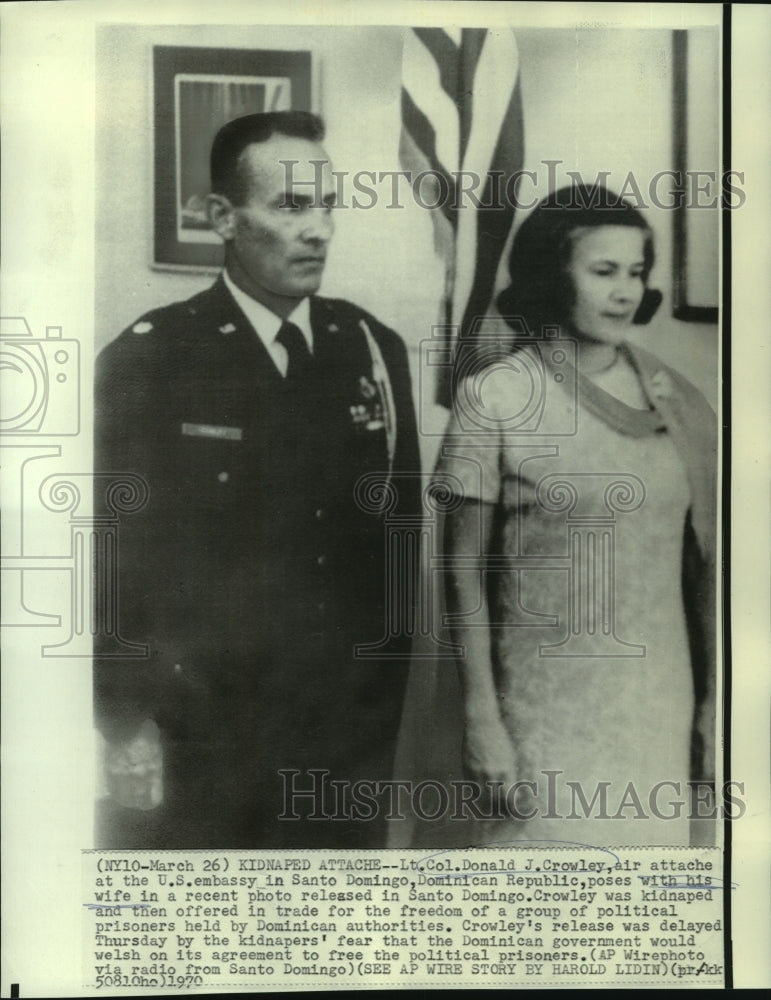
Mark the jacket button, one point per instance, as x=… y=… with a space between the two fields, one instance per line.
x=321 y=560
x=177 y=668
x=322 y=606
x=223 y=477
x=319 y=513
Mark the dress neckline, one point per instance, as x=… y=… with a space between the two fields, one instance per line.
x=620 y=416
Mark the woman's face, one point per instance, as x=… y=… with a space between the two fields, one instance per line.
x=606 y=268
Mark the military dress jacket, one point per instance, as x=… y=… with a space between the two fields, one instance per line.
x=259 y=560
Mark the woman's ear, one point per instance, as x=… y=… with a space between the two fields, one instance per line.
x=651 y=300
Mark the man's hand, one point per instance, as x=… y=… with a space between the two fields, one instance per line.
x=135 y=769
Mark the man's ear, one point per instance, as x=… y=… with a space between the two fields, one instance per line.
x=221 y=215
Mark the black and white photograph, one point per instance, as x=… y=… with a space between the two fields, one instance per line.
x=470 y=524
x=381 y=432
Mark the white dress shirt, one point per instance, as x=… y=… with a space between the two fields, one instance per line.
x=267 y=324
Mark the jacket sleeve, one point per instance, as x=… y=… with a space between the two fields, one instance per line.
x=124 y=688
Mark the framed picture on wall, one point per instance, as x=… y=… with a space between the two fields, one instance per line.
x=196 y=91
x=696 y=84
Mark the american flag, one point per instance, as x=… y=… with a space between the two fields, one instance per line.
x=462 y=112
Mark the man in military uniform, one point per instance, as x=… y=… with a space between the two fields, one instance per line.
x=255 y=411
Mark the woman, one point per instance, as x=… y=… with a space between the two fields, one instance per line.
x=582 y=547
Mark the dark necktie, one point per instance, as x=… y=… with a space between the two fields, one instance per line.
x=300 y=360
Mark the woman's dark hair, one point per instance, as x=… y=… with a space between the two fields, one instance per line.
x=541 y=291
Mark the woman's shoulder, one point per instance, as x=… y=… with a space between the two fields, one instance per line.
x=497 y=383
x=665 y=381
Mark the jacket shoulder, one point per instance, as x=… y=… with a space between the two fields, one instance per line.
x=342 y=311
x=153 y=330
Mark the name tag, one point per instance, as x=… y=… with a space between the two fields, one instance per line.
x=212 y=431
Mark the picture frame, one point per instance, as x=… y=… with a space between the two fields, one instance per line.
x=196 y=91
x=696 y=154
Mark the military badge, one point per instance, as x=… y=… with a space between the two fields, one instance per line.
x=367 y=414
x=366 y=388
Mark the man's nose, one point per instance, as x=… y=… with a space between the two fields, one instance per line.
x=319 y=225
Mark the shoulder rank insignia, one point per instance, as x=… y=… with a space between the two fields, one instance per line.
x=227 y=328
x=142 y=327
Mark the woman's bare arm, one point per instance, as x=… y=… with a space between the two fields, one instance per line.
x=488 y=754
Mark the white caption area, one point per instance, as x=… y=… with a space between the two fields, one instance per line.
x=489 y=916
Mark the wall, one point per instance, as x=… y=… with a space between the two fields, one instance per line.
x=594 y=99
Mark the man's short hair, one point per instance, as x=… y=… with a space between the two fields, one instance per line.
x=233 y=138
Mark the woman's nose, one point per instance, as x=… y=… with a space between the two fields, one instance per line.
x=626 y=289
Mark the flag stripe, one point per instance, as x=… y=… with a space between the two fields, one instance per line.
x=496 y=75
x=473 y=40
x=496 y=72
x=445 y=54
x=421 y=79
x=423 y=135
x=495 y=224
x=455 y=35
x=413 y=159
x=462 y=110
